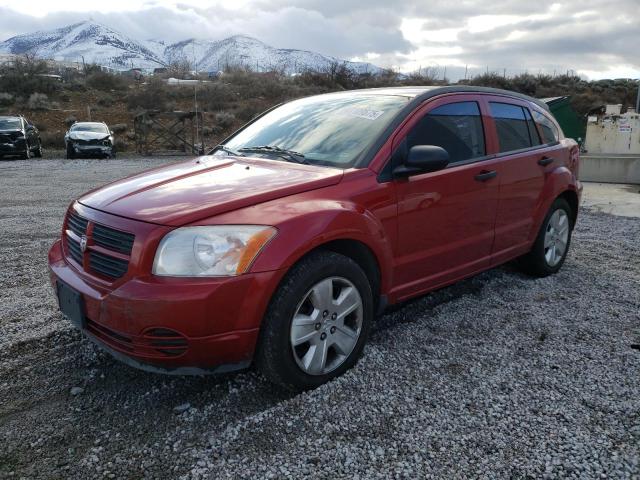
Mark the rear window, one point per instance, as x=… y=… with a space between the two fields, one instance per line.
x=456 y=127
x=549 y=130
x=512 y=126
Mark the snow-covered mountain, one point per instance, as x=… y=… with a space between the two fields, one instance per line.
x=96 y=43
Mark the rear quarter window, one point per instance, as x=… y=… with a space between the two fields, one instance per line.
x=550 y=133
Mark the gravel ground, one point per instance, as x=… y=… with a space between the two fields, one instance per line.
x=497 y=376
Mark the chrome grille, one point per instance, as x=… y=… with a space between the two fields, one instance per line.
x=74 y=250
x=77 y=224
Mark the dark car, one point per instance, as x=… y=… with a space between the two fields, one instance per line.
x=280 y=246
x=89 y=139
x=19 y=137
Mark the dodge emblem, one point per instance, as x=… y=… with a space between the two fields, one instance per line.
x=83 y=243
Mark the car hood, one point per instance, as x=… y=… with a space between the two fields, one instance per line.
x=190 y=191
x=88 y=135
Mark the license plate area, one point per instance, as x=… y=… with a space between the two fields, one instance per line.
x=71 y=304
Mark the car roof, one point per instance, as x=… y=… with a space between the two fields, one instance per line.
x=89 y=123
x=10 y=116
x=421 y=93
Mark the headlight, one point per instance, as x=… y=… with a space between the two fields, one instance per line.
x=223 y=250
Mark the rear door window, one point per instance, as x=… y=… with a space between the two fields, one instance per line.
x=456 y=127
x=511 y=125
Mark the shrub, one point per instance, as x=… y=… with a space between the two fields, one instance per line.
x=38 y=101
x=152 y=96
x=52 y=139
x=105 y=100
x=119 y=128
x=249 y=109
x=218 y=96
x=6 y=99
x=106 y=81
x=225 y=120
x=120 y=145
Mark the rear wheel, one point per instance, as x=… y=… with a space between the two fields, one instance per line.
x=317 y=323
x=552 y=243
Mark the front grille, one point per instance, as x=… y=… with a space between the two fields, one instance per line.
x=77 y=224
x=74 y=250
x=93 y=141
x=112 y=239
x=107 y=266
x=102 y=238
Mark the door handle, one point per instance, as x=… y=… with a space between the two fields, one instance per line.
x=544 y=161
x=485 y=175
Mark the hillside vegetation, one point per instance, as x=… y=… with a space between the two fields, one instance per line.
x=233 y=98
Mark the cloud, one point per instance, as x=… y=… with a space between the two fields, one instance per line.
x=591 y=36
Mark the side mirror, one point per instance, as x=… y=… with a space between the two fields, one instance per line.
x=111 y=132
x=422 y=159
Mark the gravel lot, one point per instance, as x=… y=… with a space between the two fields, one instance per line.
x=498 y=376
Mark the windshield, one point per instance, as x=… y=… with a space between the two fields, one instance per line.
x=10 y=124
x=329 y=130
x=90 y=127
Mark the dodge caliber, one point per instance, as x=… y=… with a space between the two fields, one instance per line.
x=279 y=248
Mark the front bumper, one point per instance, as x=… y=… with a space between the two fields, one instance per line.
x=213 y=324
x=15 y=148
x=92 y=149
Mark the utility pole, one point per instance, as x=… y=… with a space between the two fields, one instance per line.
x=638 y=99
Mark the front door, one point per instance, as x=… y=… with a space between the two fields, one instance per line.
x=446 y=218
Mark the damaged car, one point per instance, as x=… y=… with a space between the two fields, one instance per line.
x=19 y=137
x=89 y=139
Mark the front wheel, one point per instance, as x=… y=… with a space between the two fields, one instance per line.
x=317 y=323
x=38 y=152
x=552 y=243
x=70 y=153
x=27 y=153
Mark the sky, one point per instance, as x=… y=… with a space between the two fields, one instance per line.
x=592 y=38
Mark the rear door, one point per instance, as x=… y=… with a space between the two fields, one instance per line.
x=445 y=218
x=525 y=158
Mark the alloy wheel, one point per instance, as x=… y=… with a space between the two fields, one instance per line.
x=556 y=237
x=326 y=325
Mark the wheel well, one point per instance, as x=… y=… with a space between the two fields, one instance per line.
x=572 y=199
x=362 y=255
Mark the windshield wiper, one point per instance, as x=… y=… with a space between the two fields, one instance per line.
x=228 y=150
x=293 y=156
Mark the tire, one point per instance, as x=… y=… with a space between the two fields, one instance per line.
x=38 y=152
x=541 y=260
x=70 y=153
x=27 y=153
x=323 y=271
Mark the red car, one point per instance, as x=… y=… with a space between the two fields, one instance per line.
x=281 y=246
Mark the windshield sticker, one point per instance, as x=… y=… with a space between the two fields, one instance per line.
x=362 y=112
